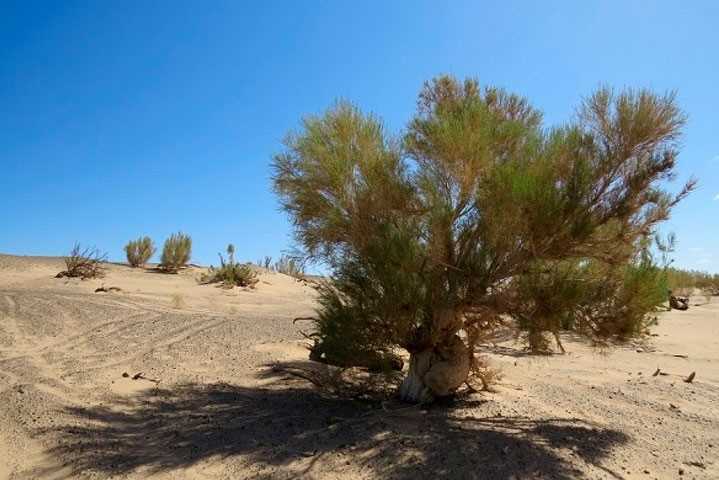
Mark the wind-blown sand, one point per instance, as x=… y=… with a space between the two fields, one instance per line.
x=206 y=406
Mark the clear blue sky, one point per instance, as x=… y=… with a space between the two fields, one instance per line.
x=132 y=117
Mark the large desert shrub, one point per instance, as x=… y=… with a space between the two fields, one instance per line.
x=230 y=273
x=84 y=263
x=176 y=252
x=139 y=251
x=478 y=214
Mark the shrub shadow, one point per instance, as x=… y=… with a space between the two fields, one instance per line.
x=509 y=346
x=291 y=431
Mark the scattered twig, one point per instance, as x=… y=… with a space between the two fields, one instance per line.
x=140 y=376
x=107 y=289
x=689 y=379
x=303 y=319
x=308 y=336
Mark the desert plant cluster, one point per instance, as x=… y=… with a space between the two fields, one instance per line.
x=89 y=263
x=686 y=281
x=176 y=252
x=290 y=265
x=231 y=273
x=287 y=264
x=139 y=251
x=480 y=217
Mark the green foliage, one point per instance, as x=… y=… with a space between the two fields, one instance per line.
x=231 y=273
x=346 y=338
x=139 y=251
x=176 y=252
x=642 y=290
x=683 y=282
x=265 y=263
x=84 y=263
x=479 y=212
x=288 y=265
x=599 y=300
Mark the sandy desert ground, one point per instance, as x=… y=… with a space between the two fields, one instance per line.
x=206 y=405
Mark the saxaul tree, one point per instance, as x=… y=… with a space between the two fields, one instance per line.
x=478 y=215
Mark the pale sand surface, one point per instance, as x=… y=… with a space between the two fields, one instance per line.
x=66 y=411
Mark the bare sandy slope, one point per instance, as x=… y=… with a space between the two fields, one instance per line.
x=206 y=406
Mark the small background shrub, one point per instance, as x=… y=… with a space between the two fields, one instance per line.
x=178 y=301
x=290 y=266
x=231 y=273
x=684 y=282
x=265 y=263
x=176 y=252
x=139 y=251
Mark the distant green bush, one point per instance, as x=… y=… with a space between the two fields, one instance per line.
x=139 y=251
x=683 y=282
x=231 y=273
x=176 y=252
x=265 y=263
x=289 y=266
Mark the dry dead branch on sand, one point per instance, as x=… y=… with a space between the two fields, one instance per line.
x=84 y=263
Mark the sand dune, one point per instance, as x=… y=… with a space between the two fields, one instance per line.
x=207 y=406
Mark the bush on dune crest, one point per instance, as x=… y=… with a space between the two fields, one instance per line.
x=265 y=263
x=139 y=251
x=176 y=252
x=289 y=265
x=477 y=215
x=230 y=273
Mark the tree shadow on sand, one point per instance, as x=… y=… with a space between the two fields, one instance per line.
x=286 y=431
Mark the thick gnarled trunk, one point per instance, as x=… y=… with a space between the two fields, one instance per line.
x=436 y=372
x=413 y=388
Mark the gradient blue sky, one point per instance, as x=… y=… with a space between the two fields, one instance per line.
x=125 y=118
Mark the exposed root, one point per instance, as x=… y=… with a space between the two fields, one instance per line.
x=559 y=342
x=488 y=376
